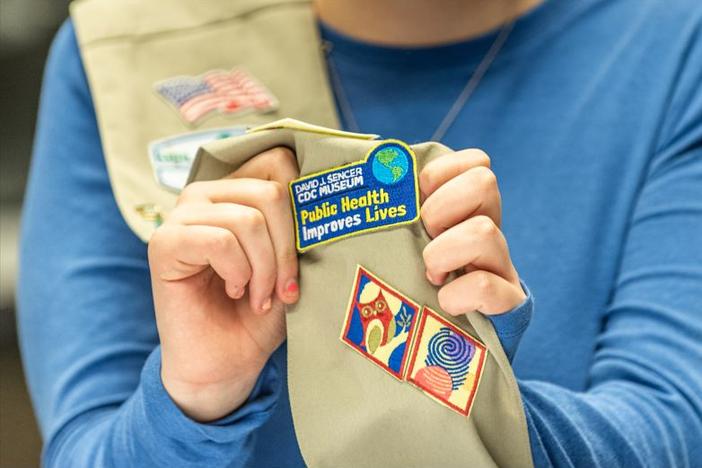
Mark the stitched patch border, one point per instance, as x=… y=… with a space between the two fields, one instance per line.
x=439 y=373
x=353 y=314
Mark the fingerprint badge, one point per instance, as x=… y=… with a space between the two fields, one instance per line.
x=446 y=363
x=379 y=323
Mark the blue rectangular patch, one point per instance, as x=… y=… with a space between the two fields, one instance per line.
x=378 y=192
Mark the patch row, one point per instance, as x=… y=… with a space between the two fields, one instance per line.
x=413 y=344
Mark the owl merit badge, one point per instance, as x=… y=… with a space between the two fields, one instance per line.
x=380 y=323
x=379 y=192
x=415 y=345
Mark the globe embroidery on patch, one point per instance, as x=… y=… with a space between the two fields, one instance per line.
x=390 y=165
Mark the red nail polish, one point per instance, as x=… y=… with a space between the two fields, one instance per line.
x=291 y=288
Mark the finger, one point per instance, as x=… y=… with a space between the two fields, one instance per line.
x=273 y=200
x=278 y=164
x=274 y=203
x=476 y=242
x=480 y=290
x=448 y=166
x=470 y=193
x=188 y=250
x=249 y=226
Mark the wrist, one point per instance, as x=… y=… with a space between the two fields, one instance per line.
x=206 y=402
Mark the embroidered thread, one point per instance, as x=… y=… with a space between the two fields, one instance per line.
x=446 y=363
x=227 y=92
x=412 y=344
x=378 y=192
x=379 y=323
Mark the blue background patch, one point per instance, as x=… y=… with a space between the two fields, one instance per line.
x=378 y=192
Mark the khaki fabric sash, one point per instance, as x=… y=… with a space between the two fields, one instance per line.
x=348 y=412
x=129 y=45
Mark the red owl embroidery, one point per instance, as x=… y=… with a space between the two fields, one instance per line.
x=378 y=322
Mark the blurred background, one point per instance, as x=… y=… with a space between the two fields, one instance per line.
x=26 y=30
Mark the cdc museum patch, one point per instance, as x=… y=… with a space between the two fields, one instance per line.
x=378 y=192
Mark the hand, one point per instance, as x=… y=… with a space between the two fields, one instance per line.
x=222 y=267
x=462 y=214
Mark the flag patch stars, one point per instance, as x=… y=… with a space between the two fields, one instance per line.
x=412 y=344
x=217 y=91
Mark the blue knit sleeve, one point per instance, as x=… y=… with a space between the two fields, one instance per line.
x=511 y=326
x=86 y=318
x=643 y=403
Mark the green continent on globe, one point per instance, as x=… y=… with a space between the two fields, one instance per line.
x=397 y=172
x=386 y=158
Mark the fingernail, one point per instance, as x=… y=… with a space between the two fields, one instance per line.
x=291 y=288
x=429 y=278
x=266 y=304
x=238 y=293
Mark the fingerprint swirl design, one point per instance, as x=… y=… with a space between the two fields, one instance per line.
x=452 y=352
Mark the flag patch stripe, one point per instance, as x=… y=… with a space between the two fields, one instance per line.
x=226 y=92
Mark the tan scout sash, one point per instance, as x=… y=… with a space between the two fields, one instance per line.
x=128 y=46
x=347 y=411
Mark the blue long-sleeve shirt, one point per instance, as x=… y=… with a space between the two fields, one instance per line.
x=592 y=114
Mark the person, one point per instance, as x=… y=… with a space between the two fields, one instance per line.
x=587 y=188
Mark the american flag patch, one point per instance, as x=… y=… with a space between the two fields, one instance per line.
x=226 y=92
